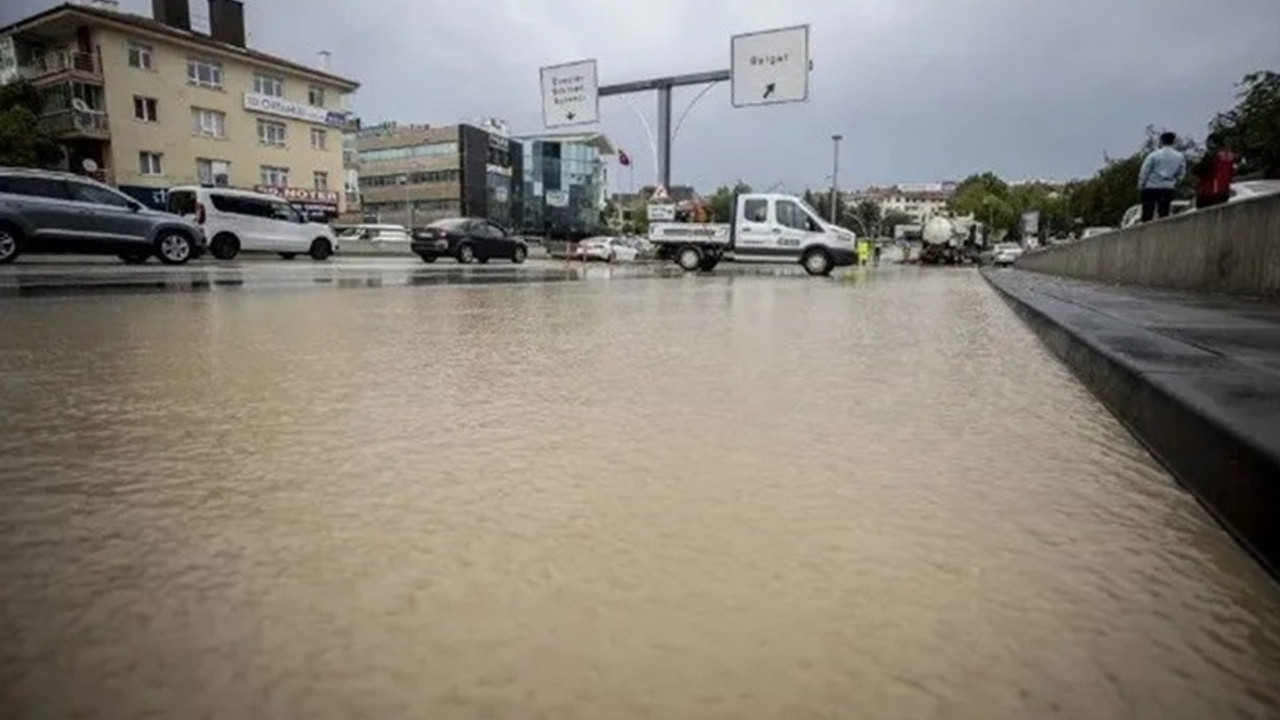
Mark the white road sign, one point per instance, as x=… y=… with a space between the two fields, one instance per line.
x=771 y=66
x=570 y=94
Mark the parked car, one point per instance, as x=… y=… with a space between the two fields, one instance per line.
x=373 y=233
x=1253 y=188
x=53 y=212
x=1133 y=215
x=608 y=249
x=467 y=240
x=242 y=220
x=1095 y=231
x=1006 y=253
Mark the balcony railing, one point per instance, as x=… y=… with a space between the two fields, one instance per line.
x=43 y=66
x=78 y=123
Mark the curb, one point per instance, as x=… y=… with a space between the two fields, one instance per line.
x=1207 y=447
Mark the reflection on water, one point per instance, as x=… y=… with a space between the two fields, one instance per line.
x=694 y=497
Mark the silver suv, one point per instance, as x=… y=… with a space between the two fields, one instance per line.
x=52 y=212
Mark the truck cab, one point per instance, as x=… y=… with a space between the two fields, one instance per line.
x=768 y=228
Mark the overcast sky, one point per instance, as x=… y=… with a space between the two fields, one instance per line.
x=922 y=90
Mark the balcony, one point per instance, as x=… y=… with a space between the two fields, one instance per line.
x=63 y=65
x=70 y=124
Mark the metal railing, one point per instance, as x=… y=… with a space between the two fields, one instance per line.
x=62 y=61
x=77 y=122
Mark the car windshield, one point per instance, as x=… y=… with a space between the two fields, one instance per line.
x=451 y=224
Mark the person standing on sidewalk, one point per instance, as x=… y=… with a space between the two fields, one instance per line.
x=1161 y=172
x=1214 y=173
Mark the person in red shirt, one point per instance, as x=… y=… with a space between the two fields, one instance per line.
x=1214 y=173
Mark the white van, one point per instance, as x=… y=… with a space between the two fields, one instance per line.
x=242 y=220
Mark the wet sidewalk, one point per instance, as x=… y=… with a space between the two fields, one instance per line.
x=1195 y=377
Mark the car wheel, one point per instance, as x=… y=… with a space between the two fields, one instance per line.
x=10 y=244
x=224 y=246
x=428 y=259
x=174 y=247
x=519 y=255
x=690 y=258
x=466 y=254
x=133 y=258
x=817 y=262
x=321 y=249
x=288 y=256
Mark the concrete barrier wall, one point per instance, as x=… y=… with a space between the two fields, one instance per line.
x=1233 y=248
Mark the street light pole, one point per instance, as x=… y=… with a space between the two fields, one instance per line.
x=835 y=174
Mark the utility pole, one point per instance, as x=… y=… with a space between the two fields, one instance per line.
x=835 y=175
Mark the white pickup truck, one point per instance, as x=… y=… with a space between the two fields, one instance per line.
x=765 y=228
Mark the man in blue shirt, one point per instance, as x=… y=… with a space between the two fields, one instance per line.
x=1161 y=172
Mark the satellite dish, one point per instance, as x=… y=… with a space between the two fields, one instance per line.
x=79 y=105
x=89 y=165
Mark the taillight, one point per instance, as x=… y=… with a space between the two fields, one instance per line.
x=200 y=213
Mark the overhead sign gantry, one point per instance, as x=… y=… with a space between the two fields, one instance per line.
x=766 y=68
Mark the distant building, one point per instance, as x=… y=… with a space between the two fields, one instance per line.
x=565 y=183
x=149 y=103
x=414 y=174
x=920 y=201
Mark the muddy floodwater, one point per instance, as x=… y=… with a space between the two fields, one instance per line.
x=749 y=495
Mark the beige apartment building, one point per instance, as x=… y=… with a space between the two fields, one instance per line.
x=149 y=103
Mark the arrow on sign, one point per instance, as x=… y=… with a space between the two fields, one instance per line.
x=569 y=115
x=768 y=89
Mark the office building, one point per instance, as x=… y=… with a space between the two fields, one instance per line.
x=149 y=103
x=413 y=174
x=566 y=183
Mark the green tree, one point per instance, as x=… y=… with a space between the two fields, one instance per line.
x=892 y=219
x=720 y=204
x=1253 y=125
x=867 y=216
x=23 y=141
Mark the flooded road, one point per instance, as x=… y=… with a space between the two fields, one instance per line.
x=739 y=496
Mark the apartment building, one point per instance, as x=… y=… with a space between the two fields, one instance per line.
x=149 y=103
x=920 y=201
x=413 y=174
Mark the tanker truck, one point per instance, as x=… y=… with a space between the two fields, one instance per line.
x=949 y=241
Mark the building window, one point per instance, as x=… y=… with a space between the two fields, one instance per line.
x=213 y=172
x=144 y=108
x=275 y=176
x=412 y=151
x=149 y=163
x=317 y=139
x=205 y=73
x=320 y=180
x=315 y=95
x=271 y=133
x=209 y=123
x=140 y=56
x=272 y=85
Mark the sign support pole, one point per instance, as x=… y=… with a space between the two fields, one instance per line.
x=663 y=86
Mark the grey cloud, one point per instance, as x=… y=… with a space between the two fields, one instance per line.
x=921 y=90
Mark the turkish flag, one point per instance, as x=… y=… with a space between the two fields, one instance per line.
x=624 y=159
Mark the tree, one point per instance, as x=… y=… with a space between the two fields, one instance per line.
x=894 y=218
x=720 y=205
x=868 y=215
x=1253 y=125
x=23 y=141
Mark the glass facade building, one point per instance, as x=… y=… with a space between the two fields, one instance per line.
x=565 y=184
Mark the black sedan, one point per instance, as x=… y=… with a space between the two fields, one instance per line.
x=467 y=240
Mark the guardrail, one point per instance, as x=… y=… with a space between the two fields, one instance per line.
x=78 y=122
